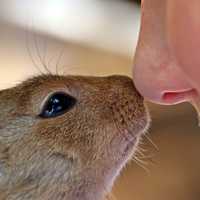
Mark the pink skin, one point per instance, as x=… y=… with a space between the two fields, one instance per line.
x=167 y=60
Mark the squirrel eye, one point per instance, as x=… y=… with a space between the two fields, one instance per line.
x=57 y=104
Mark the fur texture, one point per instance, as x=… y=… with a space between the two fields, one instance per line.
x=74 y=156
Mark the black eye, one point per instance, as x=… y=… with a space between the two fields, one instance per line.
x=57 y=104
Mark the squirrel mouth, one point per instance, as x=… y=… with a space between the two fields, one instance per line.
x=131 y=129
x=133 y=125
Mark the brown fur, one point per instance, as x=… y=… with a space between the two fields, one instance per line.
x=77 y=155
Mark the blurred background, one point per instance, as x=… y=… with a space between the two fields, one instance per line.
x=98 y=37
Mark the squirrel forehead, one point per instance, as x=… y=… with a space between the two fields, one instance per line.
x=54 y=82
x=72 y=84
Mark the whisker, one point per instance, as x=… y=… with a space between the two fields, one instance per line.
x=31 y=55
x=39 y=54
x=140 y=160
x=151 y=141
x=140 y=152
x=141 y=164
x=45 y=49
x=59 y=59
x=143 y=156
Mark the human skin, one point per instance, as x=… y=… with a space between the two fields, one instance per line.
x=167 y=60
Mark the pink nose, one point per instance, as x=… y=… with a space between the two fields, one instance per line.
x=163 y=84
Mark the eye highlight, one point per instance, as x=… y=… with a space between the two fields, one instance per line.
x=57 y=104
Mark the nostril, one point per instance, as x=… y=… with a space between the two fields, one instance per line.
x=175 y=97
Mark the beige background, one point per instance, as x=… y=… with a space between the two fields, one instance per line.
x=172 y=170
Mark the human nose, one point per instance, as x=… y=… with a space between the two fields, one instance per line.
x=157 y=75
x=163 y=85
